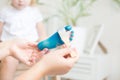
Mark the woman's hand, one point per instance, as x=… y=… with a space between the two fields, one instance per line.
x=53 y=63
x=25 y=51
x=59 y=61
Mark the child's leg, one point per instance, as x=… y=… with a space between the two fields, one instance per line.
x=8 y=68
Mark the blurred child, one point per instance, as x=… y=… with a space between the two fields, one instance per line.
x=20 y=19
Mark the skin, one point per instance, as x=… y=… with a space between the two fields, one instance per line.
x=53 y=63
x=20 y=49
x=16 y=51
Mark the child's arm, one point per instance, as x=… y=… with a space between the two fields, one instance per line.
x=41 y=31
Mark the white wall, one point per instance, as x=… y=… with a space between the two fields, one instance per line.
x=103 y=12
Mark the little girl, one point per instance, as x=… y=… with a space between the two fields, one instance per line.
x=21 y=19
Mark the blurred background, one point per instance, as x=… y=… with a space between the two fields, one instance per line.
x=103 y=63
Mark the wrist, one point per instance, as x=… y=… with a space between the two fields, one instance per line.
x=5 y=46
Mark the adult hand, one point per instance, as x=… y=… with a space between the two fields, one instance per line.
x=53 y=63
x=25 y=51
x=57 y=62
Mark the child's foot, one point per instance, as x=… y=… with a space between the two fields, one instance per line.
x=66 y=35
x=62 y=36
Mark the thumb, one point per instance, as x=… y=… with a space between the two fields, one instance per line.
x=74 y=56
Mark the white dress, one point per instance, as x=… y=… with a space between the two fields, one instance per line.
x=20 y=23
